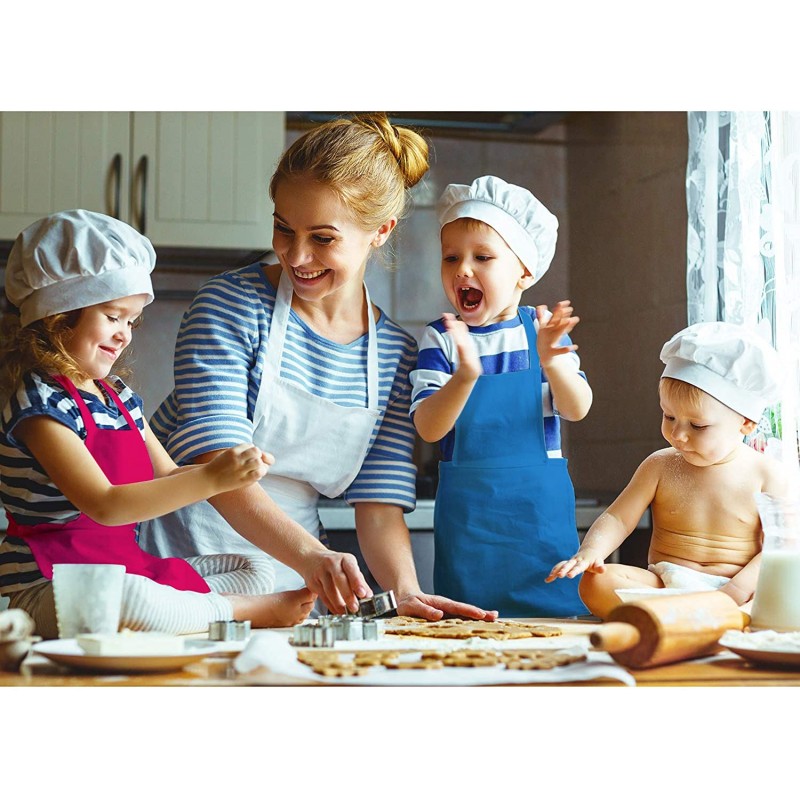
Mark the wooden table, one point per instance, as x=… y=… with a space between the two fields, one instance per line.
x=723 y=669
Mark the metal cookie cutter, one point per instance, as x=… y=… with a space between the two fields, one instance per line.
x=379 y=605
x=229 y=630
x=313 y=635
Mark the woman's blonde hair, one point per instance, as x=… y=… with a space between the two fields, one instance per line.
x=39 y=347
x=366 y=160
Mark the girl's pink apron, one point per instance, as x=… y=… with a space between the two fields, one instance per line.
x=123 y=457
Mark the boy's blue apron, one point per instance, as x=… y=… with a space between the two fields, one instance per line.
x=505 y=512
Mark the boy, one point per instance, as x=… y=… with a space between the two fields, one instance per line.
x=716 y=383
x=488 y=392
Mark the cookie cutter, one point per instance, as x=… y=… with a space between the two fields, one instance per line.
x=229 y=630
x=320 y=635
x=379 y=605
x=371 y=630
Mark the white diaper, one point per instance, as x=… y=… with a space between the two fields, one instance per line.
x=676 y=576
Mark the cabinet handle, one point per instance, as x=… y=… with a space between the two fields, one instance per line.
x=142 y=171
x=116 y=174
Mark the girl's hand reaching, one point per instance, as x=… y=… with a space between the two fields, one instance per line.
x=469 y=364
x=237 y=467
x=552 y=329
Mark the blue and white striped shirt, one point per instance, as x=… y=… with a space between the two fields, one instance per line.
x=26 y=491
x=219 y=358
x=502 y=347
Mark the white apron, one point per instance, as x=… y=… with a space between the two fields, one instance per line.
x=319 y=448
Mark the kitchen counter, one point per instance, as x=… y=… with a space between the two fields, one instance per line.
x=724 y=669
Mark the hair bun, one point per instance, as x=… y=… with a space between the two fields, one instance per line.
x=409 y=149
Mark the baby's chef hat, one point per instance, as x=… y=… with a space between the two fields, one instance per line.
x=732 y=363
x=528 y=228
x=75 y=259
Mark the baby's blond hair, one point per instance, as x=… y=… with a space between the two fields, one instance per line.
x=677 y=391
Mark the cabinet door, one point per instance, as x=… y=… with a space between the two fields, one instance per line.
x=200 y=179
x=54 y=161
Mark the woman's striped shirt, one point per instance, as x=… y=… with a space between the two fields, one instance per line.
x=26 y=491
x=219 y=358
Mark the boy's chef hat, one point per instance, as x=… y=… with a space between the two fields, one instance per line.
x=527 y=227
x=75 y=259
x=732 y=363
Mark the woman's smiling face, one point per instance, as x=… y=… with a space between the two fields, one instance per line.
x=482 y=276
x=318 y=243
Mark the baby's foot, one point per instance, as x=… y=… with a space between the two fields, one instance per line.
x=277 y=610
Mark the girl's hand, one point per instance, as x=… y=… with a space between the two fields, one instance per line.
x=469 y=364
x=574 y=566
x=552 y=329
x=238 y=467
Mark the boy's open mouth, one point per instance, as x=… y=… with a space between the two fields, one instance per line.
x=469 y=298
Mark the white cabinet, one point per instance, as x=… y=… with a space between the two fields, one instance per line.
x=185 y=179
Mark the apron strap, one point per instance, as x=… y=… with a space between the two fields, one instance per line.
x=277 y=338
x=69 y=387
x=535 y=368
x=120 y=405
x=88 y=420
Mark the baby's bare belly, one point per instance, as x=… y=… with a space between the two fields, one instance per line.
x=715 y=554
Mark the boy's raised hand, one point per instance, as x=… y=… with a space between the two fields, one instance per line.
x=469 y=363
x=552 y=328
x=238 y=466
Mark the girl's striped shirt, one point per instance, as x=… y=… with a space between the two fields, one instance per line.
x=26 y=491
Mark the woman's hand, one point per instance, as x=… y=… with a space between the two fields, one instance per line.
x=574 y=566
x=336 y=578
x=433 y=607
x=237 y=467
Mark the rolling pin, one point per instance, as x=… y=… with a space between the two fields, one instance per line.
x=662 y=630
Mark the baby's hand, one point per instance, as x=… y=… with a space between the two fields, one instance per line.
x=238 y=466
x=574 y=566
x=552 y=329
x=469 y=364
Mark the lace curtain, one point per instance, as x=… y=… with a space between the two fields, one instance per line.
x=743 y=243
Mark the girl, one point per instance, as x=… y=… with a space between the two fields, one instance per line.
x=79 y=466
x=302 y=360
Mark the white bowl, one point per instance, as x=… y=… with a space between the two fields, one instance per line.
x=644 y=593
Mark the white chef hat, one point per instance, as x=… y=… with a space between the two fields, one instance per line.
x=527 y=227
x=74 y=259
x=732 y=363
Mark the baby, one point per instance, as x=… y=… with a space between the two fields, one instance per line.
x=706 y=534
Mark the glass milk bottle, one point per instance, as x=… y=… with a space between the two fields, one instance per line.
x=776 y=604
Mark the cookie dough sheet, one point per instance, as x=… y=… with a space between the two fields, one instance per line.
x=272 y=650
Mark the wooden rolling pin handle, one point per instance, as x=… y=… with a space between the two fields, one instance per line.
x=614 y=637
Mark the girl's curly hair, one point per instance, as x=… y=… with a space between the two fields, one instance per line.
x=39 y=347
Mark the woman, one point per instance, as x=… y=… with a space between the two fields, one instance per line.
x=295 y=358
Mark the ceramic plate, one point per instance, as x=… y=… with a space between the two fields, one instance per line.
x=226 y=648
x=773 y=657
x=67 y=652
x=764 y=647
